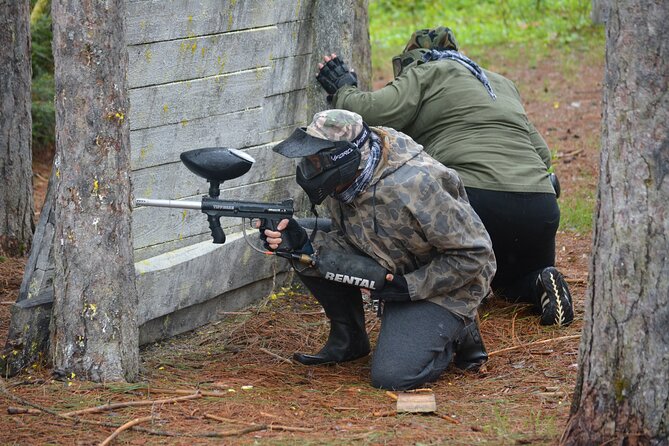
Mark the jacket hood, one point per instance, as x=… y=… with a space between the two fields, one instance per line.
x=404 y=149
x=408 y=59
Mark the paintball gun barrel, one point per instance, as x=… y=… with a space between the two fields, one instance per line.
x=270 y=213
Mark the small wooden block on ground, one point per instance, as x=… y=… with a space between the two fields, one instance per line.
x=416 y=402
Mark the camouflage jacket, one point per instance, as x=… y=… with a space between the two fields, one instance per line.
x=414 y=219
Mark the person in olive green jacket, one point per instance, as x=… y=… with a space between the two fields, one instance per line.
x=473 y=121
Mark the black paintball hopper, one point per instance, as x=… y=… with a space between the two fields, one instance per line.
x=300 y=144
x=217 y=163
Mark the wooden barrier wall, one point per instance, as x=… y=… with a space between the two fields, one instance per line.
x=203 y=73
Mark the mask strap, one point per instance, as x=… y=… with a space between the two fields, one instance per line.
x=362 y=137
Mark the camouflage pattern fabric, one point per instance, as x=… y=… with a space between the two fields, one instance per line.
x=339 y=125
x=335 y=125
x=420 y=43
x=441 y=38
x=415 y=220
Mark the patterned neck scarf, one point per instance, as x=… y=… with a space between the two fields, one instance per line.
x=463 y=60
x=362 y=181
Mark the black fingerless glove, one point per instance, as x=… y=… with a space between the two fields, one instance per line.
x=293 y=237
x=396 y=290
x=336 y=74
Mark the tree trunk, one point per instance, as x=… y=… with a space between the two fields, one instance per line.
x=335 y=31
x=600 y=11
x=622 y=392
x=361 y=60
x=94 y=333
x=16 y=196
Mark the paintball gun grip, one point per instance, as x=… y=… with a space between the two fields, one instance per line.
x=216 y=231
x=271 y=224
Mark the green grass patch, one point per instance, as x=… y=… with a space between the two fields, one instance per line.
x=481 y=25
x=576 y=210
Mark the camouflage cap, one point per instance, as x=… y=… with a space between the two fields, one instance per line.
x=335 y=125
x=326 y=129
x=441 y=38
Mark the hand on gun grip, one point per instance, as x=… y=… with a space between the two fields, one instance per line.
x=336 y=74
x=395 y=290
x=288 y=236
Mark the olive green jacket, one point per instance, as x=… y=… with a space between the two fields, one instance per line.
x=414 y=219
x=441 y=105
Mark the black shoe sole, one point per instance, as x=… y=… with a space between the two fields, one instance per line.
x=556 y=302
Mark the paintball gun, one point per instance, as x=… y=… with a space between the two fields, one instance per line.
x=219 y=164
x=216 y=165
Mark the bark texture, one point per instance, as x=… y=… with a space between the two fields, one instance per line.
x=341 y=28
x=600 y=11
x=622 y=394
x=94 y=333
x=361 y=59
x=16 y=194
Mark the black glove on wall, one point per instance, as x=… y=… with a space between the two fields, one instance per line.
x=396 y=290
x=293 y=237
x=336 y=74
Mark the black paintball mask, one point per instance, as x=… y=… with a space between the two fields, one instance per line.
x=325 y=165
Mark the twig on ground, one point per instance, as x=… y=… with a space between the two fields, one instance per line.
x=10 y=395
x=126 y=426
x=385 y=413
x=228 y=420
x=26 y=383
x=266 y=426
x=514 y=338
x=131 y=404
x=573 y=153
x=289 y=428
x=448 y=418
x=185 y=392
x=11 y=410
x=274 y=355
x=529 y=344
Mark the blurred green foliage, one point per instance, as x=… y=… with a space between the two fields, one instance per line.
x=479 y=24
x=43 y=109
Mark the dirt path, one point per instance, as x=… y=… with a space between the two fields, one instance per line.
x=522 y=396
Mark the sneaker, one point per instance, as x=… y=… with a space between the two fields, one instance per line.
x=556 y=304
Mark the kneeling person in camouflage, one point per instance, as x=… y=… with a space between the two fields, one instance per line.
x=392 y=202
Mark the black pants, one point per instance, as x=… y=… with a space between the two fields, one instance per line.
x=522 y=227
x=415 y=344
